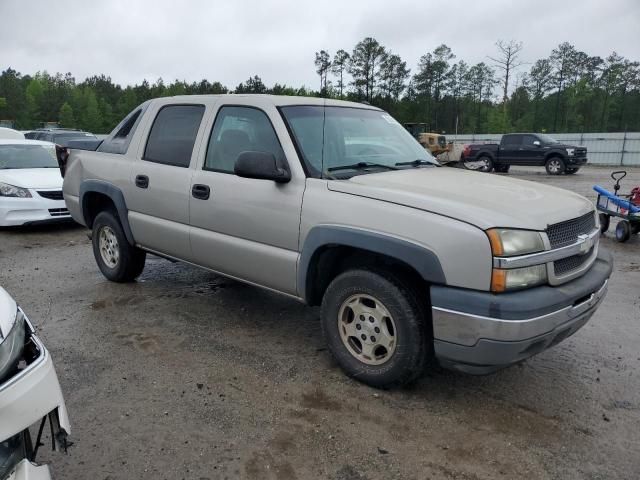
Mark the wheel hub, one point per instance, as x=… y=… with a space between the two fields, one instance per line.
x=109 y=250
x=367 y=329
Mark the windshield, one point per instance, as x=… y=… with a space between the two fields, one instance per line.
x=334 y=138
x=14 y=156
x=546 y=139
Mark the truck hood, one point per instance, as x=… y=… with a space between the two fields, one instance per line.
x=32 y=177
x=480 y=199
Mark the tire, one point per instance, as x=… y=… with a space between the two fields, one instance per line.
x=555 y=166
x=483 y=163
x=117 y=259
x=571 y=171
x=502 y=168
x=623 y=231
x=357 y=302
x=605 y=221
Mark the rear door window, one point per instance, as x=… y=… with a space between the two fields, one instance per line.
x=511 y=141
x=173 y=135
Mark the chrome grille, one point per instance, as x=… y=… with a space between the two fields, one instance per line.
x=569 y=264
x=58 y=212
x=565 y=233
x=51 y=194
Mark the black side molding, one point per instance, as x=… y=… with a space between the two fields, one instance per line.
x=424 y=261
x=116 y=196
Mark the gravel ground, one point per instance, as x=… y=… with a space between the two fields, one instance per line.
x=185 y=374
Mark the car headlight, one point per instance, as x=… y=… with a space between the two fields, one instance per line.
x=517 y=278
x=7 y=190
x=508 y=243
x=11 y=344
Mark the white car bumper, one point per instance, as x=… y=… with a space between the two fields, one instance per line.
x=21 y=211
x=29 y=396
x=26 y=470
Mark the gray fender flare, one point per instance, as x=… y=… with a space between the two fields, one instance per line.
x=421 y=259
x=116 y=196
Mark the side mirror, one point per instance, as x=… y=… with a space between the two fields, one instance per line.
x=261 y=165
x=536 y=143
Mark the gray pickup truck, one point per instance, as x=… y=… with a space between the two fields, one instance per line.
x=335 y=204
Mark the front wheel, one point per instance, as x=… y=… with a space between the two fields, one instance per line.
x=118 y=260
x=483 y=163
x=375 y=327
x=555 y=166
x=623 y=231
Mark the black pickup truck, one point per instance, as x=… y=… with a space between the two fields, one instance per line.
x=524 y=149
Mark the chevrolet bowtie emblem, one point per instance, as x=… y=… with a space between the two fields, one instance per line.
x=586 y=243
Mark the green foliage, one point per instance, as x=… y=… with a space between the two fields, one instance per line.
x=567 y=91
x=66 y=118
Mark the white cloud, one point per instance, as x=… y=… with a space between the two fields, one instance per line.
x=230 y=40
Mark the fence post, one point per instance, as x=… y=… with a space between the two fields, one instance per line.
x=624 y=144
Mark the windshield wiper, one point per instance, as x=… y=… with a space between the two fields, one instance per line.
x=361 y=166
x=416 y=163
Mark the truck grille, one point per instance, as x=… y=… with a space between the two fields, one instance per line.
x=58 y=212
x=51 y=194
x=565 y=233
x=569 y=264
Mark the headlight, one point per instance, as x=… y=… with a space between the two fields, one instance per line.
x=516 y=278
x=11 y=344
x=507 y=243
x=570 y=151
x=7 y=190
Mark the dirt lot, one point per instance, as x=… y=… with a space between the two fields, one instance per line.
x=185 y=374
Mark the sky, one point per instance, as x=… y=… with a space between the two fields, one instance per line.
x=231 y=40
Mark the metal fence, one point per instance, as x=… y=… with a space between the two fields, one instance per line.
x=615 y=149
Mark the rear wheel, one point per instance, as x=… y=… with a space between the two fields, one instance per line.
x=605 y=220
x=483 y=163
x=118 y=260
x=623 y=231
x=555 y=166
x=375 y=327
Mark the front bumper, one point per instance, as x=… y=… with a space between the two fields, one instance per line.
x=576 y=161
x=32 y=393
x=24 y=211
x=478 y=332
x=26 y=470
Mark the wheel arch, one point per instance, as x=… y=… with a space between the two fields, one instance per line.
x=328 y=250
x=96 y=196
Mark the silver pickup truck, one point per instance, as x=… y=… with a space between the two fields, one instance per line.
x=335 y=204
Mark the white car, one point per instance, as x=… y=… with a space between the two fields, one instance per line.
x=30 y=183
x=11 y=134
x=30 y=395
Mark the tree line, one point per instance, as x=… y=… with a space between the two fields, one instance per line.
x=568 y=91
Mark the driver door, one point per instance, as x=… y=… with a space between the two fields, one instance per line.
x=243 y=227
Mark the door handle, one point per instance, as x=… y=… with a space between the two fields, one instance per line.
x=142 y=181
x=201 y=192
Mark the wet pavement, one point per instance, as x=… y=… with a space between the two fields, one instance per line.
x=185 y=374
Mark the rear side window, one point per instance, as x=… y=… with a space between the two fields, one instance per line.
x=511 y=140
x=173 y=135
x=120 y=138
